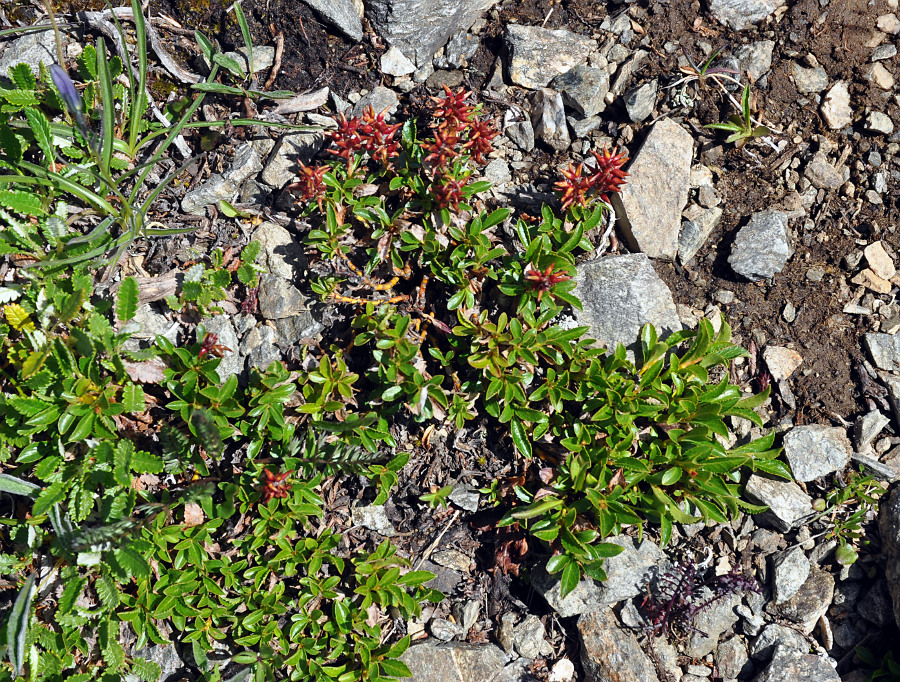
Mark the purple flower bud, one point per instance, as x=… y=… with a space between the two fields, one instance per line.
x=69 y=95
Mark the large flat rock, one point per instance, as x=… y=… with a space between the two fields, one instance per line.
x=650 y=204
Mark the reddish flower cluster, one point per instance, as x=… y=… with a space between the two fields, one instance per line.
x=457 y=128
x=275 y=486
x=447 y=192
x=606 y=177
x=370 y=133
x=310 y=186
x=210 y=346
x=452 y=111
x=542 y=280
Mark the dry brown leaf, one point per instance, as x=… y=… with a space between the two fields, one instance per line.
x=193 y=515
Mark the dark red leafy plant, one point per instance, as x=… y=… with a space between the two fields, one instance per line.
x=542 y=281
x=310 y=186
x=275 y=485
x=210 y=346
x=581 y=184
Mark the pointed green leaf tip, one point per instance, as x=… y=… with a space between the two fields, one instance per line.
x=127 y=301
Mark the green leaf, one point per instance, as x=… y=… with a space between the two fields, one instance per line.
x=133 y=562
x=40 y=128
x=17 y=627
x=49 y=496
x=149 y=671
x=16 y=486
x=520 y=436
x=571 y=576
x=127 y=299
x=25 y=203
x=557 y=562
x=22 y=76
x=133 y=398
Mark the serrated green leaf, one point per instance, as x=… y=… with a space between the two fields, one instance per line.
x=149 y=671
x=23 y=77
x=40 y=128
x=146 y=463
x=127 y=299
x=49 y=496
x=132 y=562
x=133 y=399
x=25 y=203
x=107 y=591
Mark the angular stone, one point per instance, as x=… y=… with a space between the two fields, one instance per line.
x=650 y=204
x=549 y=119
x=620 y=295
x=867 y=427
x=528 y=638
x=774 y=636
x=626 y=575
x=741 y=14
x=290 y=150
x=879 y=75
x=791 y=569
x=836 y=106
x=810 y=602
x=279 y=298
x=281 y=254
x=756 y=58
x=537 y=55
x=889 y=528
x=419 y=28
x=522 y=133
x=639 y=101
x=822 y=174
x=870 y=280
x=809 y=81
x=33 y=49
x=731 y=657
x=879 y=261
x=224 y=186
x=259 y=347
x=454 y=662
x=395 y=63
x=696 y=230
x=761 y=247
x=381 y=99
x=611 y=654
x=792 y=666
x=782 y=362
x=788 y=504
x=263 y=57
x=876 y=606
x=374 y=517
x=879 y=122
x=884 y=349
x=719 y=617
x=816 y=450
x=221 y=326
x=583 y=89
x=341 y=14
x=625 y=72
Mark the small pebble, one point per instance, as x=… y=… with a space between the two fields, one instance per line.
x=789 y=313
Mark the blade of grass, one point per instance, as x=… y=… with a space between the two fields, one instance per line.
x=139 y=100
x=108 y=108
x=245 y=32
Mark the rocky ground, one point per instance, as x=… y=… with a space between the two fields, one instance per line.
x=792 y=237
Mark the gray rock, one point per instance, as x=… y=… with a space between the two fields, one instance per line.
x=867 y=427
x=876 y=606
x=884 y=349
x=791 y=666
x=696 y=231
x=775 y=635
x=263 y=57
x=788 y=504
x=626 y=72
x=809 y=81
x=639 y=101
x=381 y=99
x=809 y=603
x=650 y=204
x=341 y=14
x=231 y=363
x=419 y=28
x=626 y=575
x=761 y=247
x=395 y=63
x=374 y=517
x=281 y=254
x=279 y=298
x=756 y=58
x=166 y=656
x=582 y=127
x=731 y=658
x=528 y=638
x=583 y=89
x=259 y=347
x=33 y=49
x=741 y=14
x=620 y=295
x=751 y=623
x=152 y=322
x=847 y=594
x=444 y=630
x=497 y=172
x=822 y=174
x=298 y=329
x=465 y=497
x=466 y=613
x=791 y=569
x=537 y=55
x=836 y=108
x=292 y=148
x=549 y=119
x=522 y=133
x=224 y=186
x=883 y=52
x=431 y=661
x=713 y=621
x=458 y=51
x=879 y=122
x=816 y=450
x=883 y=471
x=889 y=527
x=609 y=653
